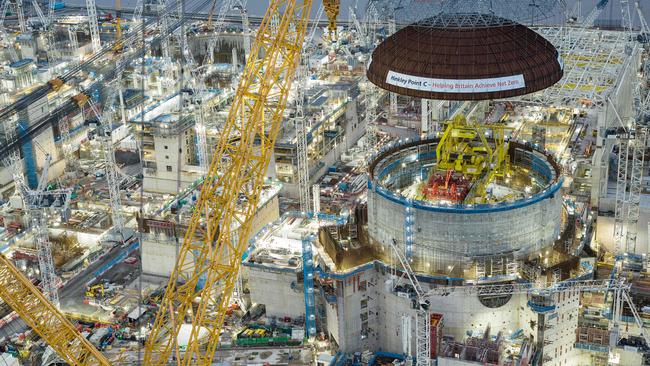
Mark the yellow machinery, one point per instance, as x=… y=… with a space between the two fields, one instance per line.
x=45 y=319
x=464 y=148
x=199 y=290
x=93 y=291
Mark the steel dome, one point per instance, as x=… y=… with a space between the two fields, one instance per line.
x=465 y=57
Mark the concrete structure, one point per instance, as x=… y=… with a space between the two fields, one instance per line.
x=451 y=237
x=334 y=126
x=159 y=244
x=370 y=306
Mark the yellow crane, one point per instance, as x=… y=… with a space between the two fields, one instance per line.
x=45 y=319
x=199 y=290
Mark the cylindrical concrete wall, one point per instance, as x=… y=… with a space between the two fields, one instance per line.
x=446 y=237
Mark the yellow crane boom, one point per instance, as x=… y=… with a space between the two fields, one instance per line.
x=218 y=231
x=200 y=288
x=45 y=319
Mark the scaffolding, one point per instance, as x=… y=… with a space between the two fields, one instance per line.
x=93 y=25
x=593 y=61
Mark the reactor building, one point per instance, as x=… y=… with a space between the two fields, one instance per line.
x=433 y=213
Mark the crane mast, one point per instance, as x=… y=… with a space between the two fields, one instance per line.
x=422 y=320
x=302 y=74
x=392 y=28
x=91 y=8
x=645 y=29
x=301 y=138
x=216 y=29
x=632 y=144
x=39 y=309
x=112 y=175
x=218 y=231
x=246 y=27
x=34 y=206
x=21 y=16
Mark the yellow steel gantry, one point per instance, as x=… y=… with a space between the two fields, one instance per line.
x=218 y=232
x=464 y=148
x=45 y=319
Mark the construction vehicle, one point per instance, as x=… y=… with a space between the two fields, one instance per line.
x=95 y=291
x=16 y=351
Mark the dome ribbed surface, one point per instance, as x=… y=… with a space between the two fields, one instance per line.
x=465 y=57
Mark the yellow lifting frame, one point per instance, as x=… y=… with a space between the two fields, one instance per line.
x=464 y=148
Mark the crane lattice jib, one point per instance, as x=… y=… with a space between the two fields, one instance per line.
x=221 y=224
x=50 y=324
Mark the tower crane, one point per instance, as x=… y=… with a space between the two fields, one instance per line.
x=21 y=16
x=137 y=12
x=50 y=13
x=370 y=93
x=104 y=133
x=200 y=287
x=93 y=25
x=45 y=319
x=46 y=24
x=18 y=6
x=3 y=15
x=302 y=74
x=629 y=183
x=4 y=7
x=301 y=137
x=421 y=306
x=200 y=74
x=39 y=14
x=198 y=87
x=645 y=29
x=216 y=28
x=36 y=203
x=246 y=27
x=595 y=12
x=392 y=28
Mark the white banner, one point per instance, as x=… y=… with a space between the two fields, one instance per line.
x=456 y=86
